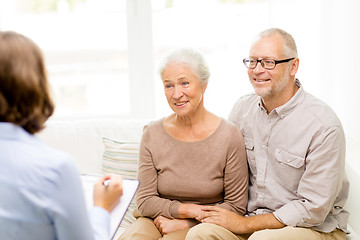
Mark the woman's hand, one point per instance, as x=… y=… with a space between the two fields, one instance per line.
x=190 y=210
x=166 y=225
x=108 y=196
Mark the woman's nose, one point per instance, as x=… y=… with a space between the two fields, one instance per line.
x=177 y=92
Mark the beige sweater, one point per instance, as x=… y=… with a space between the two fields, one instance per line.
x=212 y=171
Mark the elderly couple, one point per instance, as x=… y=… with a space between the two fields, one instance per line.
x=275 y=170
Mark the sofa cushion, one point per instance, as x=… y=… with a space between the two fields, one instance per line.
x=120 y=157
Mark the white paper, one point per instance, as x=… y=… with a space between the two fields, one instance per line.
x=117 y=214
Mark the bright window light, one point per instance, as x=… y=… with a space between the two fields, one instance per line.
x=85 y=47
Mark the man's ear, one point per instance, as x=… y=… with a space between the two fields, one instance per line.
x=294 y=66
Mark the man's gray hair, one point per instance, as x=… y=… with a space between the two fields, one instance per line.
x=190 y=57
x=290 y=49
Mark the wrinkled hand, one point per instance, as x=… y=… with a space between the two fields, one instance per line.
x=223 y=217
x=187 y=210
x=167 y=225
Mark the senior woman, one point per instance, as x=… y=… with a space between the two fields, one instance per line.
x=187 y=159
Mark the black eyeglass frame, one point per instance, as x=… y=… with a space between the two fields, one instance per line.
x=261 y=61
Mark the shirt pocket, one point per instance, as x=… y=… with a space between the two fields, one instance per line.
x=289 y=168
x=250 y=153
x=289 y=158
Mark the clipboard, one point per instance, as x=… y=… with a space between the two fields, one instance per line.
x=117 y=214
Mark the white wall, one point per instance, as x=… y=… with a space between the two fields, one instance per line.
x=351 y=81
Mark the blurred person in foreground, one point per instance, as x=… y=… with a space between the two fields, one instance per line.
x=188 y=159
x=40 y=188
x=295 y=148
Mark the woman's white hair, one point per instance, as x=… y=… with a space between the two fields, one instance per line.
x=190 y=57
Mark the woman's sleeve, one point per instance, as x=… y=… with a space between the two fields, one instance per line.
x=149 y=203
x=236 y=175
x=68 y=208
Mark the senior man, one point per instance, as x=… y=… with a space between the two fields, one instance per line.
x=296 y=154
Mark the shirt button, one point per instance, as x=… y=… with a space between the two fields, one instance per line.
x=264 y=146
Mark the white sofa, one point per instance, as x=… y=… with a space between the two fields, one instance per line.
x=83 y=140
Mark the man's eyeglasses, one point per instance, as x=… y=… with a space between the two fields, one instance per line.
x=266 y=63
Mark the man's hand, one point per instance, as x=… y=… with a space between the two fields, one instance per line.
x=166 y=225
x=224 y=218
x=236 y=223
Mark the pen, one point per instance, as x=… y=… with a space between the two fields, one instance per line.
x=106 y=182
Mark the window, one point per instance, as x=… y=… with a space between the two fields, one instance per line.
x=86 y=51
x=102 y=55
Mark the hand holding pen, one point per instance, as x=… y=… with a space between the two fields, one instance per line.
x=107 y=191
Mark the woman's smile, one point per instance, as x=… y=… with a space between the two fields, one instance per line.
x=180 y=104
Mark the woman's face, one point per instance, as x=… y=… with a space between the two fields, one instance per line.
x=183 y=90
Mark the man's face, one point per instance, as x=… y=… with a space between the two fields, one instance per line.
x=274 y=83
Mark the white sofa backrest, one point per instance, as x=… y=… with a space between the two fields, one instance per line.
x=352 y=204
x=352 y=168
x=82 y=139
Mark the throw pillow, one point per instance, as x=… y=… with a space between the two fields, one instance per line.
x=122 y=157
